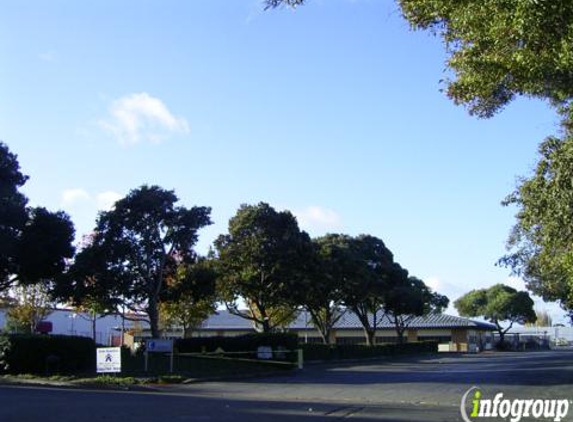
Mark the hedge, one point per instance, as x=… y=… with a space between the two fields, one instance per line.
x=359 y=351
x=41 y=354
x=243 y=343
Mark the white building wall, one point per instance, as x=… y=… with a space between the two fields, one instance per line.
x=68 y=322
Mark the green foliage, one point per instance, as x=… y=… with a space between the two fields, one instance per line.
x=497 y=304
x=31 y=304
x=501 y=48
x=13 y=214
x=190 y=297
x=357 y=351
x=34 y=243
x=369 y=267
x=497 y=48
x=540 y=245
x=264 y=259
x=45 y=244
x=409 y=297
x=136 y=247
x=37 y=354
x=324 y=293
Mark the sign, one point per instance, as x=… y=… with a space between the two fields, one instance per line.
x=159 y=346
x=264 y=352
x=108 y=360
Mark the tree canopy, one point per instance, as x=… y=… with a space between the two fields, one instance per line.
x=140 y=243
x=498 y=304
x=34 y=242
x=541 y=243
x=497 y=49
x=324 y=297
x=409 y=297
x=263 y=260
x=369 y=268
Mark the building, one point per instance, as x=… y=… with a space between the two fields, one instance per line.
x=70 y=322
x=455 y=334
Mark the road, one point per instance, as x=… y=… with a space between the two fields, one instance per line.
x=423 y=389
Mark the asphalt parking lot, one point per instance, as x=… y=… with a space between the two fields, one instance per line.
x=416 y=389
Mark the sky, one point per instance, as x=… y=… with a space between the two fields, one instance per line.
x=333 y=111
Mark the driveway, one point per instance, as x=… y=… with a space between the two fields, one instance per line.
x=422 y=389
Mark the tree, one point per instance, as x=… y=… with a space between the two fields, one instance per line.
x=139 y=244
x=191 y=296
x=323 y=298
x=498 y=304
x=31 y=304
x=543 y=319
x=34 y=242
x=409 y=297
x=541 y=241
x=89 y=286
x=498 y=48
x=13 y=214
x=369 y=267
x=44 y=246
x=263 y=260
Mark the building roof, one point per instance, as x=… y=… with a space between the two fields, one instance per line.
x=223 y=320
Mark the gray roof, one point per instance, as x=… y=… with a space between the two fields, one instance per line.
x=223 y=320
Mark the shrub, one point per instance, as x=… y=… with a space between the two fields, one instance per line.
x=39 y=354
x=358 y=351
x=244 y=343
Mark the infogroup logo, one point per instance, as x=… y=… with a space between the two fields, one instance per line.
x=515 y=409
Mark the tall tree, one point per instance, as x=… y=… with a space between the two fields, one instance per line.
x=34 y=242
x=263 y=260
x=323 y=298
x=498 y=304
x=370 y=266
x=408 y=298
x=137 y=245
x=541 y=243
x=13 y=214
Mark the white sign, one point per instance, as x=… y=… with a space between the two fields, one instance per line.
x=108 y=359
x=159 y=345
x=264 y=352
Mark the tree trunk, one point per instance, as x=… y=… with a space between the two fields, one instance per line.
x=501 y=337
x=325 y=334
x=153 y=314
x=370 y=337
x=266 y=325
x=94 y=319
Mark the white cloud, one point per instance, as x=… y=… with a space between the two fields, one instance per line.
x=318 y=218
x=140 y=117
x=74 y=196
x=100 y=201
x=106 y=200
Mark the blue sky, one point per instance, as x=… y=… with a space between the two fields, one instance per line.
x=332 y=111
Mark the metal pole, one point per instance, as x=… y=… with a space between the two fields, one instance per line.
x=171 y=362
x=146 y=355
x=299 y=359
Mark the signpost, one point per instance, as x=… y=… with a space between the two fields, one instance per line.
x=108 y=360
x=156 y=345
